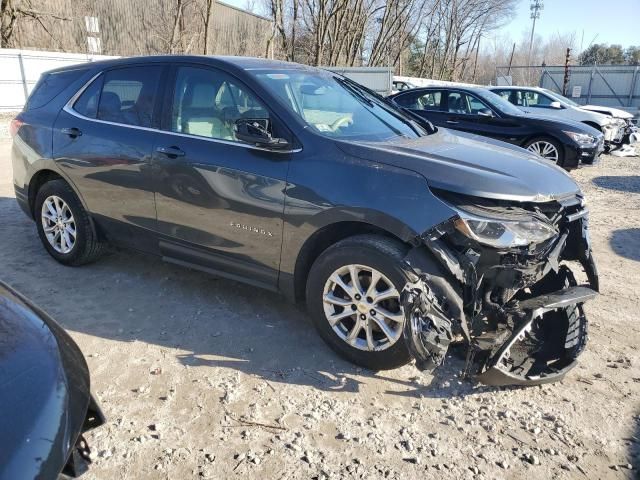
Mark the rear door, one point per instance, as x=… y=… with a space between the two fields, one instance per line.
x=219 y=201
x=103 y=140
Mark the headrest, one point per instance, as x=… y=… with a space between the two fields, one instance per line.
x=110 y=102
x=203 y=95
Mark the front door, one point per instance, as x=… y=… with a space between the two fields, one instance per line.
x=219 y=201
x=103 y=141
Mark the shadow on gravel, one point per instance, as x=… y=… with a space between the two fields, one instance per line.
x=626 y=243
x=199 y=320
x=629 y=183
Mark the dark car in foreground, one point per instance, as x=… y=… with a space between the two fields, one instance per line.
x=480 y=111
x=300 y=181
x=45 y=397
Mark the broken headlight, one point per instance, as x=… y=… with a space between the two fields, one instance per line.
x=502 y=233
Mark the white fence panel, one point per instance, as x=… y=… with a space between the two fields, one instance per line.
x=377 y=79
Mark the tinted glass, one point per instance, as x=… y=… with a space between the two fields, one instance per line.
x=87 y=103
x=562 y=98
x=420 y=100
x=208 y=102
x=129 y=94
x=497 y=102
x=50 y=85
x=535 y=99
x=336 y=107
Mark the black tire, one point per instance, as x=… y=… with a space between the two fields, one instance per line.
x=380 y=253
x=87 y=247
x=552 y=141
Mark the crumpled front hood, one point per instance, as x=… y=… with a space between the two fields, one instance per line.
x=472 y=165
x=616 y=112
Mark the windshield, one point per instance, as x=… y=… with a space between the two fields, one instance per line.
x=337 y=107
x=498 y=102
x=561 y=98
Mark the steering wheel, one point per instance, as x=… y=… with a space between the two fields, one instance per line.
x=341 y=122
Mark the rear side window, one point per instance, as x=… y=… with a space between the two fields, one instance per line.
x=87 y=103
x=126 y=96
x=420 y=100
x=50 y=85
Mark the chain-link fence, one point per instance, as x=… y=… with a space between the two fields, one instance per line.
x=608 y=85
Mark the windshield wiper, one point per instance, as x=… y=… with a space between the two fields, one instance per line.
x=354 y=89
x=405 y=115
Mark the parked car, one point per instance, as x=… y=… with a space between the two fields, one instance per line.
x=545 y=102
x=401 y=86
x=46 y=401
x=479 y=111
x=297 y=180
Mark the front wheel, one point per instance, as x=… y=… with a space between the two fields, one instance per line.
x=353 y=296
x=546 y=148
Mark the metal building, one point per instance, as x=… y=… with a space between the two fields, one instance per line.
x=134 y=27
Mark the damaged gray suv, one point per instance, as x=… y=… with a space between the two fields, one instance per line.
x=400 y=237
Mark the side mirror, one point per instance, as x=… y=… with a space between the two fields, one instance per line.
x=556 y=105
x=254 y=131
x=485 y=112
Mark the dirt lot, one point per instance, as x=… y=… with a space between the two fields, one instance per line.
x=202 y=377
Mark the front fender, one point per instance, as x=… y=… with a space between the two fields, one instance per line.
x=394 y=199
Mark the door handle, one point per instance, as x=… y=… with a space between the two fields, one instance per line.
x=172 y=152
x=72 y=132
x=452 y=122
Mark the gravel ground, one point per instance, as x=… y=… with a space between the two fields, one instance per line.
x=202 y=377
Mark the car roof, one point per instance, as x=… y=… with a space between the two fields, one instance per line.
x=243 y=63
x=442 y=87
x=514 y=87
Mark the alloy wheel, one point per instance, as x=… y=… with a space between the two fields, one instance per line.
x=58 y=224
x=545 y=150
x=363 y=307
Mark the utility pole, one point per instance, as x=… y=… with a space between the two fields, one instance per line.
x=536 y=7
x=565 y=83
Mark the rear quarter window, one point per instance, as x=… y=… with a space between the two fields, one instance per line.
x=50 y=85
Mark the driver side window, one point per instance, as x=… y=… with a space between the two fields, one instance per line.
x=536 y=99
x=207 y=103
x=462 y=103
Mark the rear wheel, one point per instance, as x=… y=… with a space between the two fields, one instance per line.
x=353 y=296
x=64 y=226
x=546 y=148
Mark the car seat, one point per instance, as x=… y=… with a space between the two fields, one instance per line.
x=109 y=108
x=199 y=115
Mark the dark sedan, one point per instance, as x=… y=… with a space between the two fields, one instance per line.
x=479 y=111
x=45 y=398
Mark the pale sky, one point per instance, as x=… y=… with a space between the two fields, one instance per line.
x=606 y=21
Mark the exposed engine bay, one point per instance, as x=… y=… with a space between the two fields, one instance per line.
x=498 y=276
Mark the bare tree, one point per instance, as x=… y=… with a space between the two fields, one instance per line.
x=12 y=12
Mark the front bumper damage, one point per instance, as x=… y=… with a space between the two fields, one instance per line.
x=519 y=310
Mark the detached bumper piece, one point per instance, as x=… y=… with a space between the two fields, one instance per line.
x=545 y=345
x=80 y=456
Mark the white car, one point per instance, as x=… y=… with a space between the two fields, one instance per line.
x=545 y=102
x=401 y=86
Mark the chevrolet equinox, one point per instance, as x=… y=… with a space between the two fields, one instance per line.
x=400 y=238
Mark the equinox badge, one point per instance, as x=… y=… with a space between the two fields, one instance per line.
x=249 y=228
